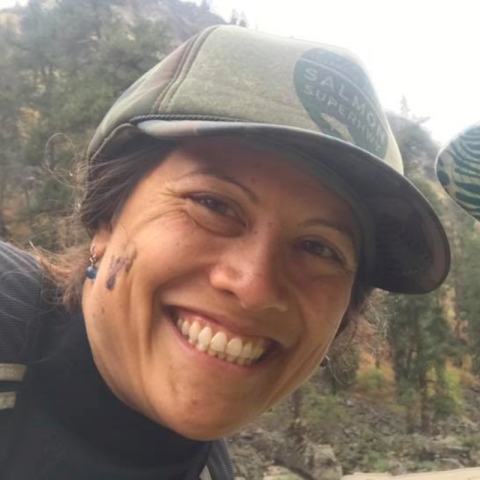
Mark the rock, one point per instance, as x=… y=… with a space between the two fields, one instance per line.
x=449 y=464
x=475 y=458
x=395 y=467
x=254 y=452
x=275 y=472
x=312 y=461
x=248 y=462
x=448 y=446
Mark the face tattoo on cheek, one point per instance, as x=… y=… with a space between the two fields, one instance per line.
x=117 y=264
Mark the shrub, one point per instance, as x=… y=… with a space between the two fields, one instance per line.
x=370 y=382
x=322 y=412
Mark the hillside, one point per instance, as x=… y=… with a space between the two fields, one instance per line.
x=184 y=19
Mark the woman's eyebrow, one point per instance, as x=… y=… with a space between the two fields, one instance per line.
x=339 y=227
x=221 y=175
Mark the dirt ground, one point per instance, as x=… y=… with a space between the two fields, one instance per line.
x=461 y=474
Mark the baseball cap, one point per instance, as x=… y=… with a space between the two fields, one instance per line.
x=458 y=169
x=312 y=98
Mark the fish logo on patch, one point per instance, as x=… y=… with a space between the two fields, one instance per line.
x=338 y=97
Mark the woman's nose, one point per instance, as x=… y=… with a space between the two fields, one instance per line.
x=252 y=272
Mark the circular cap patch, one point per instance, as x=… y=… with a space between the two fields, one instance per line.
x=339 y=98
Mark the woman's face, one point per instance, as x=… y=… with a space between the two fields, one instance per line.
x=220 y=288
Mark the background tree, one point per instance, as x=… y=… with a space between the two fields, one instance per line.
x=420 y=333
x=11 y=87
x=67 y=63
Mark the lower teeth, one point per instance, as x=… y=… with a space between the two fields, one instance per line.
x=221 y=355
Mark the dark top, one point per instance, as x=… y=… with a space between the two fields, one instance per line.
x=71 y=426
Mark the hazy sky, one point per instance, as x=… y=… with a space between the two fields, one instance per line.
x=426 y=50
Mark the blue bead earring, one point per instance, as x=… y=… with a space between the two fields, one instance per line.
x=92 y=270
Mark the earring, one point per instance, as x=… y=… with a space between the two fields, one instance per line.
x=325 y=361
x=92 y=270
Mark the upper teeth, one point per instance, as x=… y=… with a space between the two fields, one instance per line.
x=235 y=349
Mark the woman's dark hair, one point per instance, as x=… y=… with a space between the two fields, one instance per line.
x=104 y=188
x=109 y=182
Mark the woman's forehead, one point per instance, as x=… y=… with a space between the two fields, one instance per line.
x=255 y=163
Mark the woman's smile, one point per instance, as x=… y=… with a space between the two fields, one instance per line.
x=210 y=337
x=221 y=286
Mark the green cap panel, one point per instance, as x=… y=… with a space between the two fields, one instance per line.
x=266 y=79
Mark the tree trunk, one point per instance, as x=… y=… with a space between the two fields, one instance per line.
x=424 y=412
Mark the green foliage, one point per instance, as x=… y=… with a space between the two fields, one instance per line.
x=371 y=381
x=375 y=462
x=67 y=61
x=427 y=466
x=322 y=411
x=472 y=441
x=420 y=344
x=420 y=339
x=448 y=397
x=11 y=89
x=468 y=293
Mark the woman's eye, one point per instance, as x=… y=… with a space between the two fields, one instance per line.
x=319 y=249
x=216 y=214
x=212 y=203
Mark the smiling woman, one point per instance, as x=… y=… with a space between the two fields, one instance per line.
x=253 y=260
x=236 y=226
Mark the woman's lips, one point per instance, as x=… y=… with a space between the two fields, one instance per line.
x=211 y=338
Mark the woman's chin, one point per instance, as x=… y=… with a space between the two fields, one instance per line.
x=201 y=419
x=200 y=429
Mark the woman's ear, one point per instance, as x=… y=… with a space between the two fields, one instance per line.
x=101 y=240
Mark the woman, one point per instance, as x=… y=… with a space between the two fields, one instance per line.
x=242 y=198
